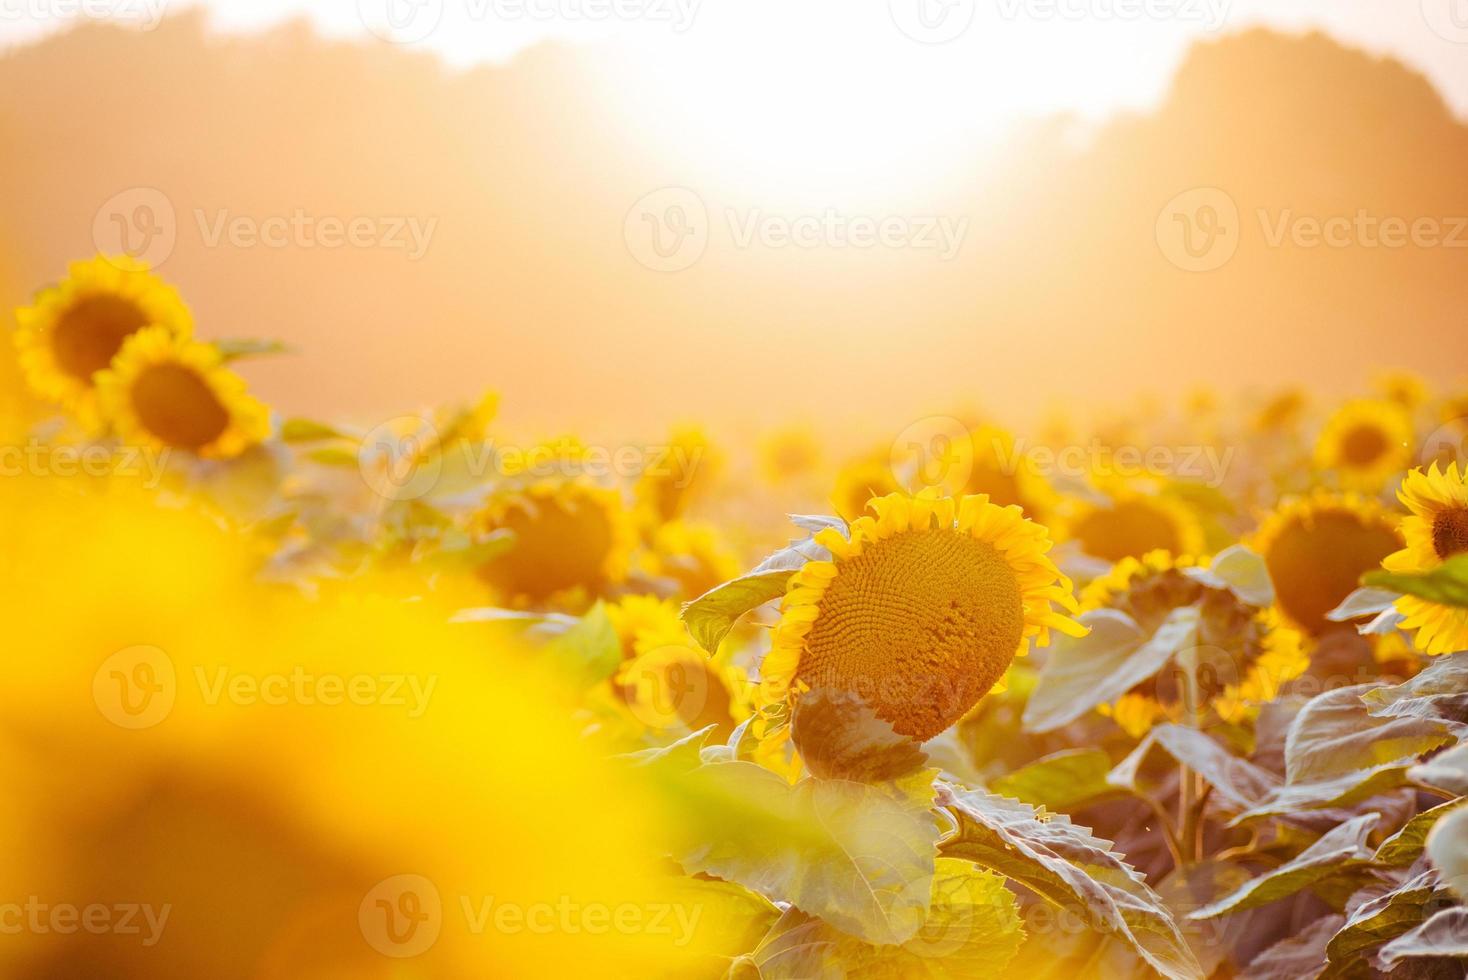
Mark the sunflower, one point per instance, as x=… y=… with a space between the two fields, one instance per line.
x=1367 y=441
x=167 y=392
x=1002 y=474
x=74 y=329
x=1404 y=388
x=573 y=538
x=789 y=454
x=683 y=472
x=919 y=612
x=693 y=555
x=643 y=622
x=861 y=480
x=1131 y=524
x=1317 y=548
x=1281 y=413
x=1436 y=530
x=1245 y=654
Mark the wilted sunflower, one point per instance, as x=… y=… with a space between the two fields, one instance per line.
x=1132 y=524
x=74 y=329
x=168 y=392
x=1436 y=531
x=1245 y=655
x=1366 y=441
x=919 y=612
x=572 y=539
x=1317 y=548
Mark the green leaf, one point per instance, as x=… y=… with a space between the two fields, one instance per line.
x=972 y=930
x=1443 y=935
x=308 y=430
x=1406 y=845
x=1114 y=657
x=1060 y=781
x=1363 y=602
x=1341 y=850
x=334 y=456
x=1299 y=955
x=1334 y=735
x=1447 y=770
x=728 y=921
x=712 y=615
x=1066 y=865
x=1240 y=571
x=860 y=856
x=591 y=648
x=842 y=738
x=1379 y=920
x=233 y=350
x=1446 y=585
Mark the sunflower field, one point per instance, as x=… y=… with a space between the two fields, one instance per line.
x=1175 y=691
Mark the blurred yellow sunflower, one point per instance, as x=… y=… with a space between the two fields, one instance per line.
x=1001 y=473
x=920 y=612
x=1281 y=413
x=75 y=328
x=1131 y=524
x=694 y=555
x=1366 y=441
x=791 y=453
x=645 y=621
x=573 y=538
x=1317 y=548
x=167 y=392
x=678 y=474
x=1404 y=388
x=859 y=481
x=1436 y=530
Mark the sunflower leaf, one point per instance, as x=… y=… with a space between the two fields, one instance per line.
x=1240 y=571
x=1238 y=783
x=1363 y=602
x=972 y=930
x=1446 y=585
x=1448 y=771
x=1378 y=920
x=1299 y=955
x=842 y=738
x=860 y=856
x=1116 y=655
x=233 y=350
x=731 y=919
x=1336 y=734
x=590 y=649
x=1059 y=781
x=712 y=615
x=1445 y=935
x=1341 y=851
x=1067 y=866
x=1406 y=845
x=308 y=430
x=1438 y=694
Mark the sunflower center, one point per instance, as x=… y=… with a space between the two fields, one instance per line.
x=88 y=335
x=178 y=407
x=1450 y=532
x=558 y=546
x=1316 y=562
x=919 y=626
x=1363 y=445
x=1130 y=529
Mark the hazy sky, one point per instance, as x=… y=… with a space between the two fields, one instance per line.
x=1010 y=57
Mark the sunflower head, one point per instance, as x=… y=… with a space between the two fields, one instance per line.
x=694 y=555
x=919 y=612
x=572 y=539
x=1281 y=413
x=1435 y=530
x=1131 y=524
x=1317 y=548
x=861 y=480
x=73 y=330
x=1366 y=442
x=1005 y=475
x=170 y=393
x=684 y=472
x=789 y=454
x=644 y=622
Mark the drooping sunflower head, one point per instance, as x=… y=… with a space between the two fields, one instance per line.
x=1143 y=585
x=171 y=393
x=1130 y=524
x=572 y=539
x=1435 y=530
x=73 y=330
x=1366 y=442
x=1317 y=548
x=678 y=474
x=919 y=612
